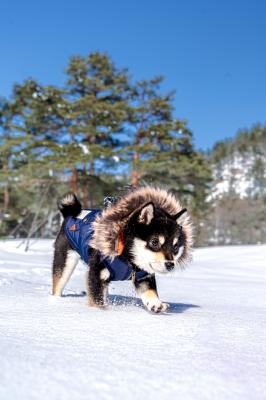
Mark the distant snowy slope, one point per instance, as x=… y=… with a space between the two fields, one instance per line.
x=211 y=345
x=239 y=165
x=239 y=174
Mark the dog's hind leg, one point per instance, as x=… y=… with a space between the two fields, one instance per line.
x=63 y=272
x=98 y=280
x=64 y=263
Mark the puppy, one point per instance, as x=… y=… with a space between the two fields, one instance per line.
x=145 y=232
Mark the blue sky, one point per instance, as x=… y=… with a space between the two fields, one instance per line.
x=213 y=53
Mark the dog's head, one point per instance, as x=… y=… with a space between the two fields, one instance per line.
x=155 y=240
x=148 y=227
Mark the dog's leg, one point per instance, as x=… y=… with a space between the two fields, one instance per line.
x=64 y=263
x=147 y=290
x=98 y=280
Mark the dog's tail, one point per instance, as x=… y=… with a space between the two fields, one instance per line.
x=69 y=205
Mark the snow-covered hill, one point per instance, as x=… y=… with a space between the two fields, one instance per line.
x=240 y=174
x=211 y=345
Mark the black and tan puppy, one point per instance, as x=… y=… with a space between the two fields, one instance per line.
x=144 y=233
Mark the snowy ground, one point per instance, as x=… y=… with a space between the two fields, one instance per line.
x=212 y=344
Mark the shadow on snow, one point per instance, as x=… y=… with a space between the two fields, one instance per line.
x=119 y=300
x=175 y=308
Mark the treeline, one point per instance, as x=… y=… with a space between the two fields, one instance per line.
x=94 y=135
x=246 y=141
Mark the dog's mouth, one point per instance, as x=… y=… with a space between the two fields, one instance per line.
x=162 y=268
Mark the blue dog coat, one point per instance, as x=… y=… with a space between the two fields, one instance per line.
x=79 y=233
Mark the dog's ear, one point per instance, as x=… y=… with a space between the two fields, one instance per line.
x=181 y=216
x=146 y=214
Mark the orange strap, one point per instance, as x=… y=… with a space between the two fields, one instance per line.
x=121 y=243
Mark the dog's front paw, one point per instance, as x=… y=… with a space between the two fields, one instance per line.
x=156 y=306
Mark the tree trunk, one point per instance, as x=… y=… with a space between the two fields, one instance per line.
x=91 y=187
x=6 y=199
x=6 y=192
x=74 y=180
x=85 y=189
x=5 y=204
x=135 y=174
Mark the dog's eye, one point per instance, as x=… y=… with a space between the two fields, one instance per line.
x=175 y=248
x=154 y=243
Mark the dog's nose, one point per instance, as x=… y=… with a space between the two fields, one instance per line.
x=169 y=265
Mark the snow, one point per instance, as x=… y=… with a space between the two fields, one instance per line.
x=116 y=159
x=235 y=174
x=84 y=148
x=211 y=345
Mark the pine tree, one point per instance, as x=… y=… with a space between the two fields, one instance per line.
x=97 y=92
x=163 y=152
x=149 y=114
x=37 y=128
x=31 y=146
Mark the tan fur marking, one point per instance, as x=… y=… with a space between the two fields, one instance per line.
x=152 y=302
x=161 y=239
x=159 y=257
x=56 y=286
x=60 y=279
x=91 y=303
x=150 y=293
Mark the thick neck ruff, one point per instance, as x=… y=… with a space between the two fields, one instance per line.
x=109 y=226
